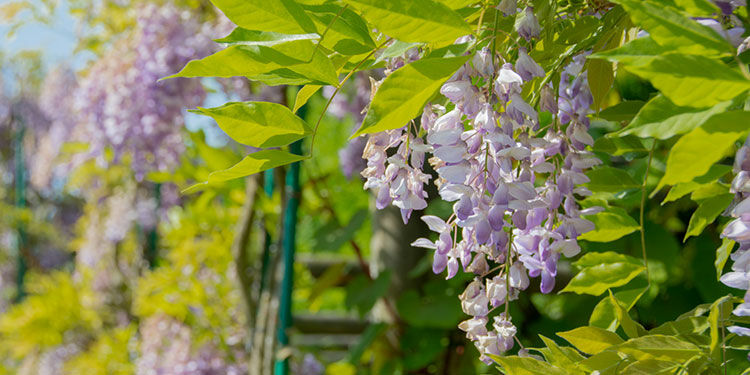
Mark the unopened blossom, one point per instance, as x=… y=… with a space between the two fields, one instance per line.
x=527 y=25
x=526 y=67
x=508 y=7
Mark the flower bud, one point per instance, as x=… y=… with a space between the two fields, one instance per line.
x=527 y=25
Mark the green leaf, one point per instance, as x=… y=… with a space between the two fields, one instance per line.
x=557 y=357
x=659 y=347
x=403 y=94
x=633 y=51
x=366 y=339
x=690 y=80
x=605 y=314
x=245 y=37
x=612 y=180
x=709 y=191
x=348 y=34
x=650 y=367
x=413 y=21
x=630 y=326
x=682 y=326
x=617 y=146
x=610 y=225
x=708 y=210
x=362 y=293
x=668 y=27
x=256 y=162
x=662 y=119
x=303 y=95
x=395 y=49
x=435 y=310
x=695 y=153
x=722 y=254
x=591 y=340
x=680 y=190
x=596 y=258
x=602 y=271
x=527 y=366
x=601 y=76
x=258 y=124
x=280 y=16
x=297 y=61
x=332 y=237
x=698 y=7
x=623 y=111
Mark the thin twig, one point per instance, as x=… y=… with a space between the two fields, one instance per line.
x=240 y=245
x=335 y=92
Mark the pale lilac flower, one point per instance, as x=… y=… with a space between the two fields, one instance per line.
x=527 y=25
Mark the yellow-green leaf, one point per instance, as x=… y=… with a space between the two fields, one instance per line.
x=591 y=340
x=258 y=124
x=403 y=94
x=695 y=153
x=413 y=21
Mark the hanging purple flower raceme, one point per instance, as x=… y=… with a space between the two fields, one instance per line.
x=512 y=184
x=738 y=230
x=122 y=104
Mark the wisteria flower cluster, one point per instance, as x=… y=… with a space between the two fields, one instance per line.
x=512 y=180
x=166 y=349
x=738 y=230
x=123 y=103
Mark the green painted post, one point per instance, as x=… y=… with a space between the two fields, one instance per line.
x=153 y=234
x=288 y=244
x=266 y=257
x=20 y=182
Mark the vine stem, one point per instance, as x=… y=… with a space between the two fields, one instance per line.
x=335 y=92
x=643 y=204
x=328 y=27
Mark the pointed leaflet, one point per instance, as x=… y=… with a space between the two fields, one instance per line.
x=605 y=314
x=600 y=80
x=251 y=164
x=694 y=154
x=403 y=94
x=413 y=21
x=690 y=80
x=631 y=327
x=722 y=254
x=708 y=210
x=684 y=188
x=348 y=34
x=668 y=27
x=602 y=271
x=662 y=119
x=610 y=225
x=632 y=51
x=591 y=340
x=245 y=37
x=303 y=95
x=659 y=347
x=296 y=59
x=527 y=366
x=280 y=16
x=258 y=124
x=610 y=179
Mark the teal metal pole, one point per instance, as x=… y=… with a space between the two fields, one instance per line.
x=20 y=182
x=288 y=243
x=152 y=244
x=266 y=257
